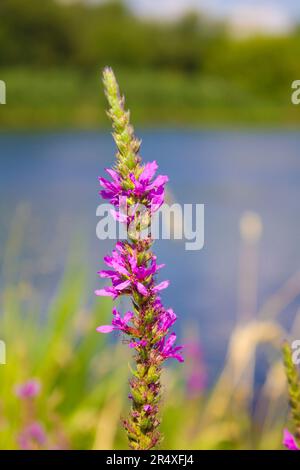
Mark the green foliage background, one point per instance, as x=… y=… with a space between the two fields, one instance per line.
x=191 y=71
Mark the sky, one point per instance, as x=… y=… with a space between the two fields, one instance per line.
x=269 y=16
x=244 y=16
x=224 y=7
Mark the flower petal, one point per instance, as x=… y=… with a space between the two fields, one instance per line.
x=118 y=216
x=105 y=329
x=107 y=274
x=170 y=341
x=106 y=292
x=289 y=441
x=178 y=357
x=127 y=317
x=142 y=289
x=122 y=286
x=161 y=286
x=159 y=181
x=148 y=171
x=108 y=184
x=113 y=174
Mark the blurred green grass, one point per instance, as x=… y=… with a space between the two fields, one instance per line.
x=69 y=98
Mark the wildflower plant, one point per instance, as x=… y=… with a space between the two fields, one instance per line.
x=32 y=436
x=292 y=442
x=132 y=272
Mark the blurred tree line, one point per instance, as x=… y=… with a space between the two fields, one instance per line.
x=189 y=70
x=51 y=33
x=47 y=33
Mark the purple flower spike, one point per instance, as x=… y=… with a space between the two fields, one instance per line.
x=29 y=389
x=132 y=271
x=289 y=441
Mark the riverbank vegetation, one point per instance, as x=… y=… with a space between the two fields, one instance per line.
x=191 y=71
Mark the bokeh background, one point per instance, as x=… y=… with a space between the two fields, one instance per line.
x=209 y=88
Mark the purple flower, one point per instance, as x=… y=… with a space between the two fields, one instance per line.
x=148 y=408
x=166 y=320
x=145 y=190
x=113 y=189
x=166 y=349
x=140 y=188
x=128 y=275
x=118 y=323
x=32 y=437
x=29 y=389
x=289 y=441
